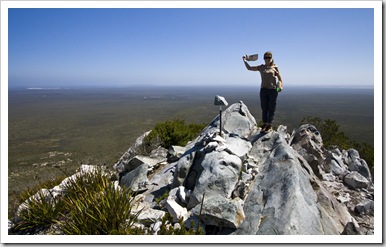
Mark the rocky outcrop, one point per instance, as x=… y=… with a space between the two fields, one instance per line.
x=244 y=182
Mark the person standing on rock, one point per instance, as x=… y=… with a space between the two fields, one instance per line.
x=269 y=88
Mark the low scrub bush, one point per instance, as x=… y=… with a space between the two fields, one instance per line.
x=91 y=205
x=41 y=211
x=159 y=199
x=167 y=229
x=173 y=132
x=95 y=207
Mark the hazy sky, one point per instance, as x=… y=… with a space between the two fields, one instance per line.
x=54 y=47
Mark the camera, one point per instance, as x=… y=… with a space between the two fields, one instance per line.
x=253 y=57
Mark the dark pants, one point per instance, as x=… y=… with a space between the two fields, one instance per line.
x=268 y=104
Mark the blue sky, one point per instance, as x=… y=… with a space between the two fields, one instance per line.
x=193 y=46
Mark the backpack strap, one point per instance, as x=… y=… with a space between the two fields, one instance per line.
x=276 y=69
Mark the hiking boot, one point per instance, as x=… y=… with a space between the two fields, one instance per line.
x=263 y=127
x=268 y=128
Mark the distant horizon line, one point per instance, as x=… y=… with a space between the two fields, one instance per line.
x=181 y=86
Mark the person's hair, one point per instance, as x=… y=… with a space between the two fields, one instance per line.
x=270 y=53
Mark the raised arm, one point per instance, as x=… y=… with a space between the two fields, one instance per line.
x=252 y=68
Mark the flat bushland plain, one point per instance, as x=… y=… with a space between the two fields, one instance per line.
x=52 y=131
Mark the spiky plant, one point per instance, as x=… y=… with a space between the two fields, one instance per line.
x=41 y=210
x=94 y=206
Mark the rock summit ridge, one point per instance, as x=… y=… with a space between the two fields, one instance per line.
x=245 y=182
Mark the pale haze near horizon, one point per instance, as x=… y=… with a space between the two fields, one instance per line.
x=166 y=46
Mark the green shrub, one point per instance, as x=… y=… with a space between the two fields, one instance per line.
x=167 y=229
x=95 y=207
x=41 y=212
x=173 y=132
x=157 y=200
x=91 y=205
